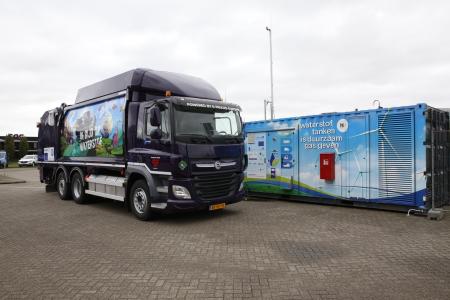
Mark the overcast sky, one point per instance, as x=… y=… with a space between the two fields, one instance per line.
x=328 y=55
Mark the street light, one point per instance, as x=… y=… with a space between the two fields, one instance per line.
x=265 y=108
x=272 y=111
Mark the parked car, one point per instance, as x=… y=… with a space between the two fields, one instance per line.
x=28 y=160
x=3 y=160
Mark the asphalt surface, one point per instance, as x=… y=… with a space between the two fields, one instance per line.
x=264 y=249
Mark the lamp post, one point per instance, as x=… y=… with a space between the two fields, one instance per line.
x=265 y=109
x=272 y=111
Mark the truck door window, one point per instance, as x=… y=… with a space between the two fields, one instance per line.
x=165 y=121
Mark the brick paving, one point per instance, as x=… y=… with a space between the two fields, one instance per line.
x=8 y=180
x=255 y=249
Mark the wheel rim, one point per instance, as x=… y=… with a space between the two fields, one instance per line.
x=61 y=186
x=77 y=188
x=140 y=200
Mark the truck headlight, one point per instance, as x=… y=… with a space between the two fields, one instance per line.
x=180 y=192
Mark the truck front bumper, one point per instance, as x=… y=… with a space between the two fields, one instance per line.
x=191 y=205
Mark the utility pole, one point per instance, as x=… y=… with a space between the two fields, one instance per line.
x=272 y=111
x=265 y=109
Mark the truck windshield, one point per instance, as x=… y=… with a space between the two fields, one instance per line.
x=2 y=154
x=204 y=125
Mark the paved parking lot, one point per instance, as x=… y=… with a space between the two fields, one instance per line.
x=255 y=249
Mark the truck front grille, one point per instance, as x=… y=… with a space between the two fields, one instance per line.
x=215 y=185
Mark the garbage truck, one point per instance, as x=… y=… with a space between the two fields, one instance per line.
x=155 y=140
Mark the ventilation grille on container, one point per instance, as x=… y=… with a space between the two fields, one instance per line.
x=396 y=156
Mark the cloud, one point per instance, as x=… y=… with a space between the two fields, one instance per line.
x=328 y=55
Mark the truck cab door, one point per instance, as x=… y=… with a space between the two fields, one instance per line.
x=155 y=153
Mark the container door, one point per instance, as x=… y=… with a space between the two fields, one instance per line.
x=281 y=161
x=256 y=151
x=354 y=157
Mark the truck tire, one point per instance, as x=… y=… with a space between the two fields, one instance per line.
x=77 y=189
x=62 y=186
x=140 y=200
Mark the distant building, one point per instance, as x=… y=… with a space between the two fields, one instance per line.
x=32 y=143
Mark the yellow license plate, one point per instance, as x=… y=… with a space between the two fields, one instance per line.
x=217 y=206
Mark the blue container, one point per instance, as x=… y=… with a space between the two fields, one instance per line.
x=381 y=157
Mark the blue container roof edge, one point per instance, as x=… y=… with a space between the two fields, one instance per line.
x=147 y=79
x=354 y=112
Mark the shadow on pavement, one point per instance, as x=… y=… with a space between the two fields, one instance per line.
x=9 y=180
x=173 y=217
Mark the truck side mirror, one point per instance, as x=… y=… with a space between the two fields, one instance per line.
x=155 y=116
x=156 y=134
x=245 y=162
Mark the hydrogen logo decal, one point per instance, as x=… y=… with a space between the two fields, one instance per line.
x=342 y=125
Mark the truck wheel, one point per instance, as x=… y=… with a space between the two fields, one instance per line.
x=62 y=186
x=77 y=186
x=140 y=200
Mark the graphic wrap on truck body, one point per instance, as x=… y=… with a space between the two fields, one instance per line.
x=380 y=156
x=94 y=130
